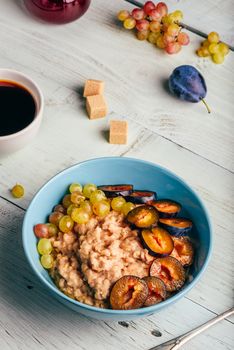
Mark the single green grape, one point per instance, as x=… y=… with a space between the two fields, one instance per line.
x=129 y=23
x=66 y=224
x=77 y=197
x=122 y=15
x=143 y=35
x=206 y=43
x=80 y=215
x=127 y=207
x=97 y=196
x=152 y=38
x=47 y=261
x=86 y=205
x=177 y=15
x=44 y=246
x=67 y=200
x=53 y=229
x=223 y=48
x=218 y=58
x=70 y=208
x=75 y=188
x=117 y=203
x=101 y=208
x=213 y=37
x=17 y=191
x=55 y=217
x=213 y=48
x=88 y=189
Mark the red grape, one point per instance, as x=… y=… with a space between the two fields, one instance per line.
x=183 y=38
x=141 y=25
x=138 y=14
x=161 y=7
x=41 y=231
x=172 y=48
x=155 y=15
x=149 y=5
x=168 y=38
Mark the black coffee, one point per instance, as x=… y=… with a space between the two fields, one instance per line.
x=17 y=107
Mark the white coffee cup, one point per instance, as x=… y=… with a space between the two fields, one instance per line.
x=13 y=142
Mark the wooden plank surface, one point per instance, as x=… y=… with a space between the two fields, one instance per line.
x=179 y=136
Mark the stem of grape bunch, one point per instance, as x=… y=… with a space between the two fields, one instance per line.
x=183 y=25
x=207 y=107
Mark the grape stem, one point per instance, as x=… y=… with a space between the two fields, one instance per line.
x=207 y=107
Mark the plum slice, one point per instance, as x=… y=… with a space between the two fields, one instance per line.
x=176 y=226
x=158 y=241
x=183 y=250
x=170 y=271
x=129 y=292
x=157 y=290
x=142 y=197
x=143 y=216
x=167 y=208
x=116 y=190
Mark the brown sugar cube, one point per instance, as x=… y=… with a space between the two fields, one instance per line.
x=118 y=132
x=96 y=106
x=93 y=87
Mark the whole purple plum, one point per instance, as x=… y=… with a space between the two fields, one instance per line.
x=187 y=83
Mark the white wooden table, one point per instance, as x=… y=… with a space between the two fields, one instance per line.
x=180 y=136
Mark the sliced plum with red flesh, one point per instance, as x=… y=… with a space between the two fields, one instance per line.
x=116 y=190
x=142 y=197
x=158 y=241
x=177 y=226
x=170 y=271
x=183 y=250
x=129 y=292
x=157 y=290
x=167 y=208
x=143 y=216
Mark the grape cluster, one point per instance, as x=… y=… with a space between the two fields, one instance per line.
x=155 y=24
x=212 y=47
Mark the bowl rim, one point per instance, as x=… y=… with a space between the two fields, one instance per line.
x=139 y=311
x=39 y=102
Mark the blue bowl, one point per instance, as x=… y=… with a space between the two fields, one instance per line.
x=114 y=170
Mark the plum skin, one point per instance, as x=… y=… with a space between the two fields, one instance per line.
x=187 y=84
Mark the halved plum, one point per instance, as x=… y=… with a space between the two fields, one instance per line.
x=158 y=241
x=116 y=190
x=129 y=292
x=142 y=197
x=157 y=290
x=177 y=226
x=143 y=216
x=183 y=250
x=167 y=208
x=170 y=271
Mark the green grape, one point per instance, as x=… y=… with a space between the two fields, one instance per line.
x=44 y=246
x=152 y=38
x=155 y=26
x=117 y=203
x=70 y=208
x=52 y=229
x=101 y=208
x=129 y=23
x=80 y=215
x=67 y=200
x=206 y=43
x=122 y=15
x=55 y=217
x=86 y=205
x=77 y=197
x=66 y=224
x=160 y=42
x=213 y=48
x=223 y=48
x=168 y=19
x=47 y=261
x=173 y=29
x=177 y=15
x=75 y=188
x=218 y=58
x=88 y=189
x=17 y=191
x=142 y=35
x=127 y=207
x=213 y=37
x=97 y=196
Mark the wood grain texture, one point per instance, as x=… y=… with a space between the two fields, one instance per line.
x=179 y=136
